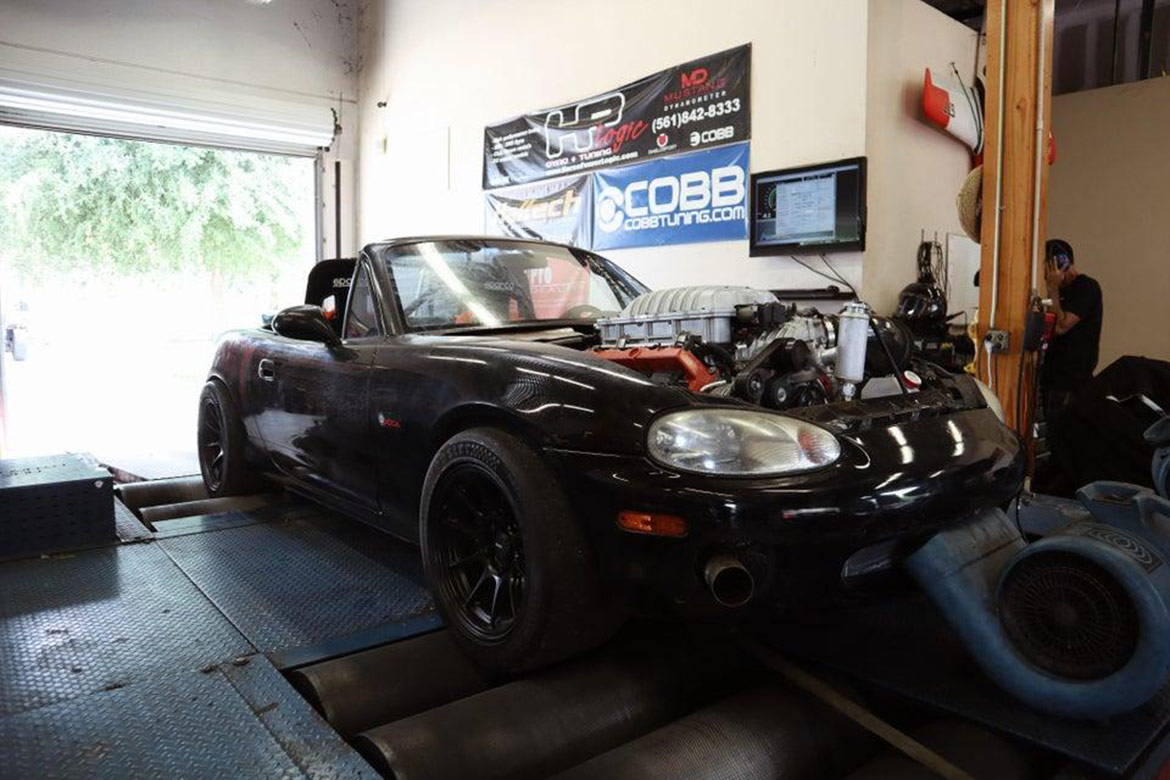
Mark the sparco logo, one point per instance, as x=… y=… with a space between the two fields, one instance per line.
x=695 y=197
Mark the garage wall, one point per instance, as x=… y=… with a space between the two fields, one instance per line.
x=1107 y=196
x=284 y=55
x=915 y=169
x=445 y=68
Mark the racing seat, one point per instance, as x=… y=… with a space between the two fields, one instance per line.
x=331 y=278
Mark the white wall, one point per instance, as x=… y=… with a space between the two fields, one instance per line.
x=224 y=52
x=1107 y=196
x=915 y=170
x=446 y=68
x=831 y=79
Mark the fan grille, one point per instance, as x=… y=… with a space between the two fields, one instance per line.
x=1068 y=615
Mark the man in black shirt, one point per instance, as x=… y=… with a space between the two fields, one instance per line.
x=1072 y=355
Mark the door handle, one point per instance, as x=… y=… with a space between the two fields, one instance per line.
x=267 y=370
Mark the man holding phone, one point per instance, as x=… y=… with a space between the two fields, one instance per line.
x=1072 y=355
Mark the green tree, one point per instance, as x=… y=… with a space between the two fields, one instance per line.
x=76 y=202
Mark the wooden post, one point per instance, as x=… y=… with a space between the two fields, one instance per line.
x=1017 y=184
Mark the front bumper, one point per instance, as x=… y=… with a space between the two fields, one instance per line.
x=893 y=483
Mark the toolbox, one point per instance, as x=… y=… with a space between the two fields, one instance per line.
x=54 y=503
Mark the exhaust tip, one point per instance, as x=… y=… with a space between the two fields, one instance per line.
x=729 y=581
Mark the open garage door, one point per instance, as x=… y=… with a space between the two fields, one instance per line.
x=260 y=124
x=120 y=263
x=141 y=214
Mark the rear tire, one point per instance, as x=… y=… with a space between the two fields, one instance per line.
x=221 y=444
x=505 y=557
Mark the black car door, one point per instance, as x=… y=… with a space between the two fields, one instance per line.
x=403 y=402
x=318 y=427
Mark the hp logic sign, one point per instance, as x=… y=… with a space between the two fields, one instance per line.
x=673 y=200
x=699 y=104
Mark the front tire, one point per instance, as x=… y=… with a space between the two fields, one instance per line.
x=505 y=557
x=221 y=444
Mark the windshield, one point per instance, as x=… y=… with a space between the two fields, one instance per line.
x=488 y=282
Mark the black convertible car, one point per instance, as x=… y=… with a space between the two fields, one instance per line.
x=569 y=447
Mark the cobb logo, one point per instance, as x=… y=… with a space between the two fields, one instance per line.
x=713 y=135
x=687 y=195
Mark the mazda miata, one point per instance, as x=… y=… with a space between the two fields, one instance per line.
x=569 y=447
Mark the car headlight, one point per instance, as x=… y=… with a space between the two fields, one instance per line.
x=739 y=443
x=990 y=398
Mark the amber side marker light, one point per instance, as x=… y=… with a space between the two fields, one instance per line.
x=651 y=523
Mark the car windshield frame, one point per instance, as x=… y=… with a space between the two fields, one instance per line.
x=623 y=286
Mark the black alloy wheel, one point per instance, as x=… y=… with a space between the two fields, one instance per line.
x=220 y=443
x=506 y=558
x=212 y=455
x=479 y=544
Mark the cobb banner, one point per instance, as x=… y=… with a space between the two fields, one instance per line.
x=699 y=104
x=673 y=200
x=558 y=210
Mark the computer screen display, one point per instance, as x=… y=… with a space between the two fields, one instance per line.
x=817 y=208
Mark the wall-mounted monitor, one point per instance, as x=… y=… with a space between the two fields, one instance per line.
x=815 y=208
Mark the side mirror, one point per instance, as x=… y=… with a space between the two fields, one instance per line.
x=306 y=323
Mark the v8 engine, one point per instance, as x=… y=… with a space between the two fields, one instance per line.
x=744 y=342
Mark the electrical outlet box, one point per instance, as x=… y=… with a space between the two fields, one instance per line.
x=999 y=340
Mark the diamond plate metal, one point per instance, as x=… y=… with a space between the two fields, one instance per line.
x=49 y=470
x=187 y=724
x=200 y=524
x=80 y=623
x=298 y=581
x=129 y=527
x=303 y=734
